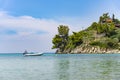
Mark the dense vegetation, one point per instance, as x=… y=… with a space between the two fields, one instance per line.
x=61 y=39
x=105 y=33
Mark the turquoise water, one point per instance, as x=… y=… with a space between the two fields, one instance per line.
x=60 y=67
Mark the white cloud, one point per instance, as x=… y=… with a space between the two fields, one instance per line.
x=27 y=23
x=27 y=36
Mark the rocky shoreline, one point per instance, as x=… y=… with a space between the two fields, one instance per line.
x=89 y=50
x=94 y=50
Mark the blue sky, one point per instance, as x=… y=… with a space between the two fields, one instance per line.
x=53 y=8
x=31 y=24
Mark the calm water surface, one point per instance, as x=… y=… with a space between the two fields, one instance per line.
x=60 y=67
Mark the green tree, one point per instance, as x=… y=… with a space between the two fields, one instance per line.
x=56 y=41
x=103 y=18
x=105 y=15
x=61 y=39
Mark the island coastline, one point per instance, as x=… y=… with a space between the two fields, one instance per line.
x=101 y=37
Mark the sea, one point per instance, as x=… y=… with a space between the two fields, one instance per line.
x=50 y=66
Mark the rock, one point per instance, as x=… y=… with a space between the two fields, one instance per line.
x=93 y=50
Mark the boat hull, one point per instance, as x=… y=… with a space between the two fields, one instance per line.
x=35 y=54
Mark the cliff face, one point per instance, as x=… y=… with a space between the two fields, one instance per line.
x=94 y=50
x=89 y=50
x=100 y=37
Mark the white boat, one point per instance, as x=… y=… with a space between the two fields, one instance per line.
x=33 y=54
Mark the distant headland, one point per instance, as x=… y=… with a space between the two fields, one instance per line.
x=100 y=37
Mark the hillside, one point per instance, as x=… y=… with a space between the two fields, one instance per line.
x=101 y=37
